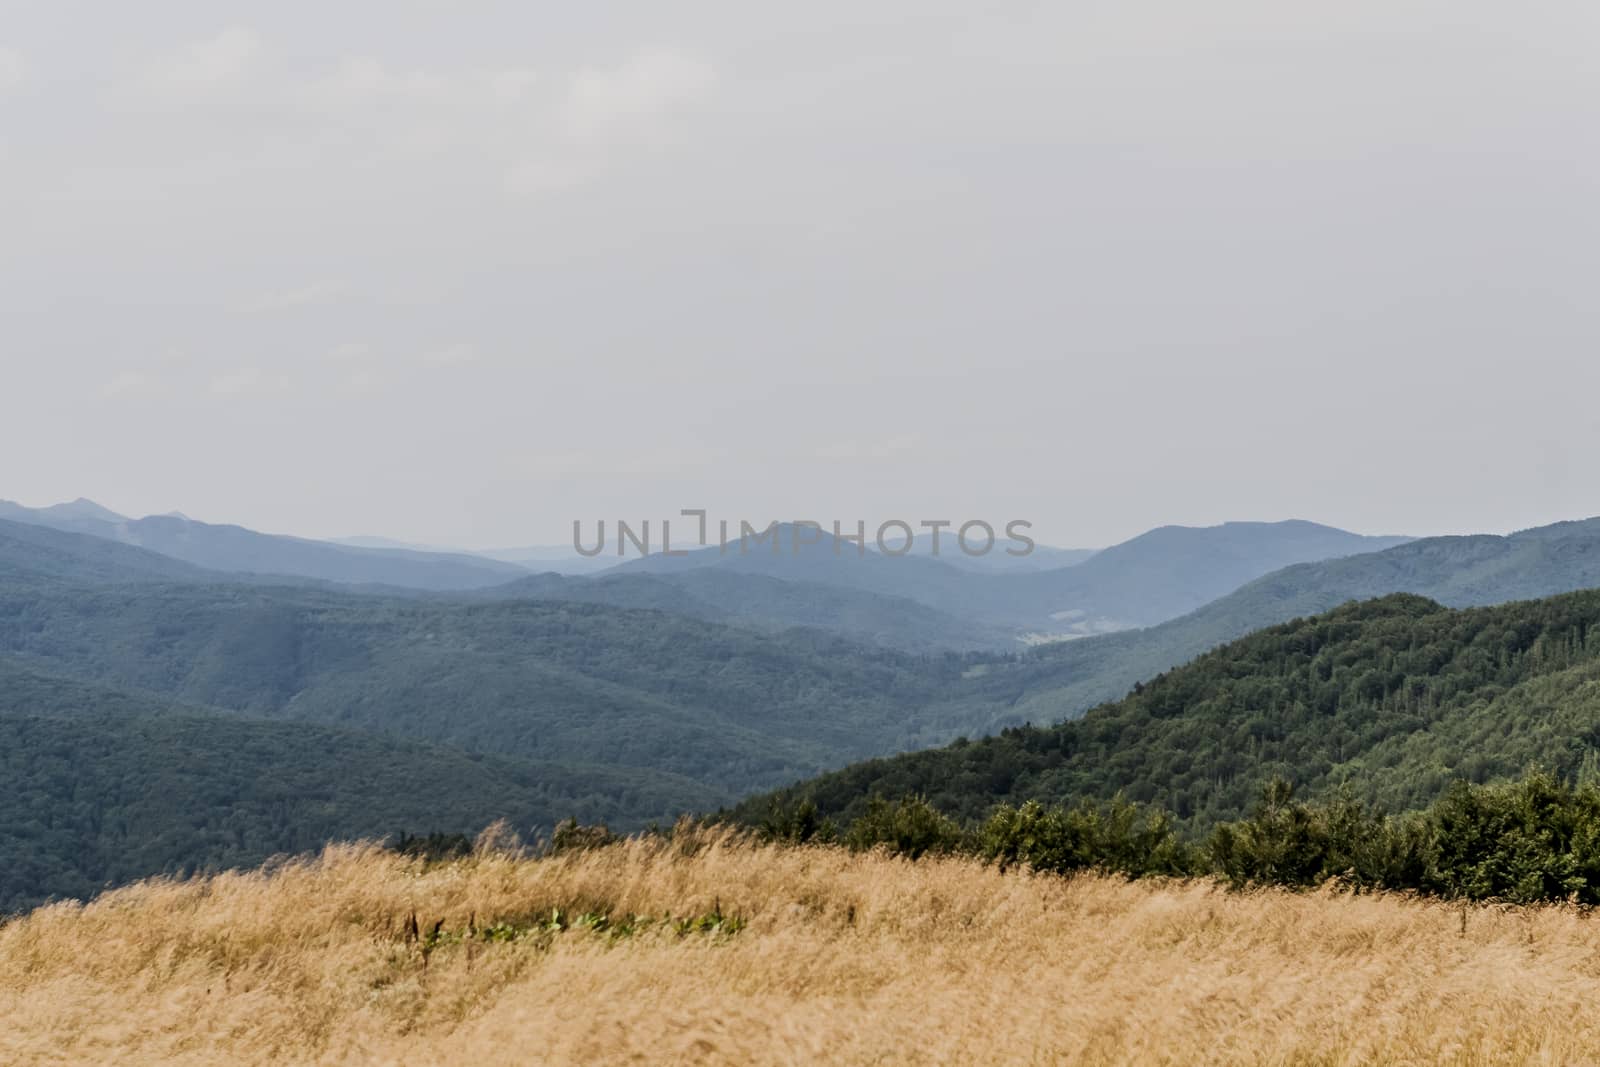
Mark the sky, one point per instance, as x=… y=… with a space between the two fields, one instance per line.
x=461 y=273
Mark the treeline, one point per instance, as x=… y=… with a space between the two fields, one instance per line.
x=1531 y=841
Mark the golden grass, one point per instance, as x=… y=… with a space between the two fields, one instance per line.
x=844 y=959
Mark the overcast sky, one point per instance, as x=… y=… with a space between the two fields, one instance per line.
x=462 y=272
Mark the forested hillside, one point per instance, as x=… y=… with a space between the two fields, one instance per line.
x=529 y=679
x=99 y=784
x=557 y=680
x=136 y=694
x=762 y=602
x=99 y=799
x=1395 y=697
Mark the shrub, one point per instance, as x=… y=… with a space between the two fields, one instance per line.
x=910 y=827
x=1286 y=842
x=1119 y=837
x=796 y=824
x=1537 y=839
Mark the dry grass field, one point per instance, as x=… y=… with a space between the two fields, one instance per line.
x=819 y=956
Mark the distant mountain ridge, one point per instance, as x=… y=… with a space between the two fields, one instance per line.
x=234 y=549
x=31 y=549
x=1156 y=576
x=912 y=602
x=80 y=510
x=1459 y=571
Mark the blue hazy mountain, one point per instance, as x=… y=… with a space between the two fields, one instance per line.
x=239 y=550
x=1149 y=579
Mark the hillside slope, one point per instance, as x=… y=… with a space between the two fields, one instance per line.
x=97 y=800
x=100 y=785
x=1394 y=697
x=29 y=550
x=548 y=680
x=771 y=604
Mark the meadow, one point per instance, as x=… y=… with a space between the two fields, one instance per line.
x=710 y=947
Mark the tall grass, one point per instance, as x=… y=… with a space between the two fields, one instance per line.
x=710 y=948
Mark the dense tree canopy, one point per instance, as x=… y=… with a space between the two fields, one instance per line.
x=1396 y=697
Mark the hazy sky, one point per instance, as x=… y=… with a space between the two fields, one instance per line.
x=462 y=272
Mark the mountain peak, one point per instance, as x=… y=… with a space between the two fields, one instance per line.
x=82 y=508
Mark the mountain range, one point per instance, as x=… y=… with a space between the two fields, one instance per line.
x=1156 y=576
x=148 y=702
x=237 y=550
x=561 y=680
x=995 y=601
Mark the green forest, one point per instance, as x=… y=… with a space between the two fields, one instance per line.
x=1393 y=698
x=95 y=800
x=530 y=679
